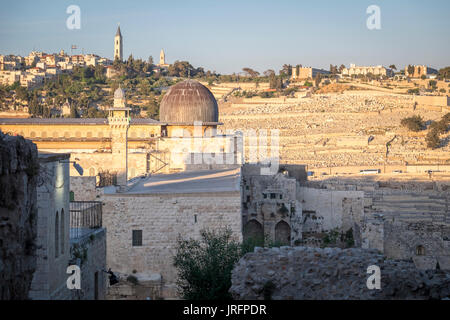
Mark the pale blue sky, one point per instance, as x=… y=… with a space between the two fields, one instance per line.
x=228 y=35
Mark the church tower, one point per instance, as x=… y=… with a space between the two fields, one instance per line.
x=162 y=58
x=119 y=122
x=118 y=45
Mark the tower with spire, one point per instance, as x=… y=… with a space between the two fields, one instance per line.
x=162 y=58
x=118 y=45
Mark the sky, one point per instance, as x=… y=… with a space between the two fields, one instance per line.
x=226 y=36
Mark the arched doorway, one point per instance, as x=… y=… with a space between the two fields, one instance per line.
x=283 y=233
x=253 y=231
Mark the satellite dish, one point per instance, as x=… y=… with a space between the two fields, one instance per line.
x=78 y=168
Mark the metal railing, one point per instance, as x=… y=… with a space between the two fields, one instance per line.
x=85 y=217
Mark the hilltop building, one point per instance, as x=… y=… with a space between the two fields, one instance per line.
x=364 y=70
x=301 y=73
x=420 y=71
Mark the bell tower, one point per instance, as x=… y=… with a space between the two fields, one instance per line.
x=119 y=122
x=162 y=58
x=118 y=45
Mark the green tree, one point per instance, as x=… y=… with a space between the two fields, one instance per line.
x=205 y=265
x=432 y=139
x=74 y=112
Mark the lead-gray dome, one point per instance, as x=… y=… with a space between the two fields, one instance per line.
x=119 y=93
x=187 y=102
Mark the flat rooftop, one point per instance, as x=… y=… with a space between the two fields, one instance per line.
x=204 y=181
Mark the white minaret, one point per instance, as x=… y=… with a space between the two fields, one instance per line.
x=118 y=45
x=119 y=122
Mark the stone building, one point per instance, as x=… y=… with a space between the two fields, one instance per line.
x=419 y=71
x=68 y=233
x=301 y=73
x=145 y=222
x=364 y=70
x=270 y=209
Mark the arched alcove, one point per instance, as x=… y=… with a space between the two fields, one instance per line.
x=283 y=233
x=253 y=230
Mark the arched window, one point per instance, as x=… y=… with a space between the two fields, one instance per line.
x=420 y=250
x=62 y=231
x=56 y=235
x=32 y=134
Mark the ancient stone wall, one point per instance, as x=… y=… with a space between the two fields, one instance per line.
x=311 y=273
x=18 y=210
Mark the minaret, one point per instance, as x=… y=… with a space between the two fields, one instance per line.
x=119 y=122
x=118 y=45
x=162 y=58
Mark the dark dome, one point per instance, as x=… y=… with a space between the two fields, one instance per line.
x=187 y=102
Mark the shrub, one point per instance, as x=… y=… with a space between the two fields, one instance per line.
x=414 y=123
x=205 y=265
x=265 y=94
x=432 y=139
x=413 y=91
x=440 y=126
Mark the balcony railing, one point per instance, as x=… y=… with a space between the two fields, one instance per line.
x=85 y=217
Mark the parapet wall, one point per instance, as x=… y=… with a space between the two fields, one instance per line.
x=297 y=273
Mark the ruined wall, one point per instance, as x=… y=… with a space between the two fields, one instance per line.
x=18 y=210
x=331 y=273
x=330 y=209
x=162 y=219
x=426 y=243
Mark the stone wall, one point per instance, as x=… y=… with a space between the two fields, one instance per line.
x=18 y=210
x=336 y=209
x=53 y=228
x=83 y=188
x=163 y=218
x=92 y=265
x=310 y=273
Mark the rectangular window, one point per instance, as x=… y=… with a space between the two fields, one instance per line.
x=137 y=238
x=273 y=196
